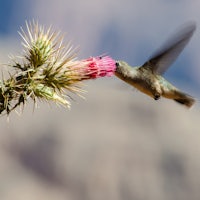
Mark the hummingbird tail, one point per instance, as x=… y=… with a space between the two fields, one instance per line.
x=184 y=99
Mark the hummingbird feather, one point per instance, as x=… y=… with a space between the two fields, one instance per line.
x=161 y=60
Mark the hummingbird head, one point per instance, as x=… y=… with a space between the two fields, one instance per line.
x=121 y=63
x=122 y=67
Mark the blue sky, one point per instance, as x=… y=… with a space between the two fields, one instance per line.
x=130 y=30
x=12 y=15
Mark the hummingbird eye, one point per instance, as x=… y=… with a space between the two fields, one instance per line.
x=117 y=64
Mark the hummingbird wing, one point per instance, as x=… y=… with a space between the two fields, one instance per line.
x=167 y=54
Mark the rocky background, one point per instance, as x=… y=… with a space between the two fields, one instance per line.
x=118 y=144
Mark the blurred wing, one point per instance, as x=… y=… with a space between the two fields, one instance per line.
x=167 y=54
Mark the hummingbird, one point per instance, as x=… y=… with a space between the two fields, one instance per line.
x=148 y=77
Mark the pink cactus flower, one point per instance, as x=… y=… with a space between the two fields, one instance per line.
x=99 y=67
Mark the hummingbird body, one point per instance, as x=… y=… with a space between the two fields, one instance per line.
x=148 y=77
x=151 y=84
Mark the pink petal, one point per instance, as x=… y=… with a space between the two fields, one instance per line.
x=99 y=67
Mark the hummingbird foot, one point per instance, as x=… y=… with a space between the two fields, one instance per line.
x=156 y=96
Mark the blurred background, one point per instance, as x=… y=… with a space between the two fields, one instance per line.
x=118 y=143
